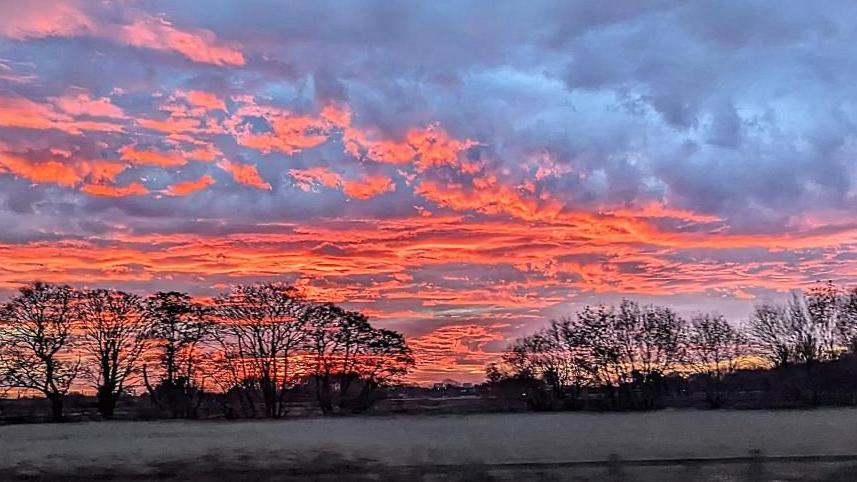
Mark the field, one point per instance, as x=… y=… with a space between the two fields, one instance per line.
x=666 y=445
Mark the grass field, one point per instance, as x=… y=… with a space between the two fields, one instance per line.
x=666 y=445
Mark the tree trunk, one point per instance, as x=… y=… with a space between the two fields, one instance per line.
x=269 y=397
x=56 y=407
x=364 y=398
x=323 y=395
x=106 y=402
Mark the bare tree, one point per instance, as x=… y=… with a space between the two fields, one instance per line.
x=629 y=348
x=342 y=348
x=556 y=355
x=847 y=321
x=37 y=330
x=632 y=339
x=114 y=326
x=715 y=351
x=374 y=358
x=355 y=337
x=260 y=330
x=803 y=331
x=324 y=344
x=178 y=327
x=815 y=317
x=547 y=366
x=772 y=335
x=388 y=358
x=632 y=348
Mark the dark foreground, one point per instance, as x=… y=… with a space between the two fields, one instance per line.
x=331 y=469
x=661 y=446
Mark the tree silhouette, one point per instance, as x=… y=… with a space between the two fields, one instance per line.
x=260 y=329
x=815 y=316
x=715 y=351
x=381 y=357
x=325 y=343
x=847 y=321
x=631 y=348
x=554 y=360
x=344 y=350
x=626 y=350
x=772 y=334
x=178 y=326
x=803 y=331
x=36 y=327
x=114 y=331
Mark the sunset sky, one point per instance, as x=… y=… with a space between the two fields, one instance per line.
x=460 y=171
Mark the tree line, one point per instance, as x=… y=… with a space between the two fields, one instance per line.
x=628 y=356
x=252 y=346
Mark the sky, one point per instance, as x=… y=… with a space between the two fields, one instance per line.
x=460 y=171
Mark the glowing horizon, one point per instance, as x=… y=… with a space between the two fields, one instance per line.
x=429 y=165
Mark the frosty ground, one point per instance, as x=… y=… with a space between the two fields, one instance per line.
x=555 y=443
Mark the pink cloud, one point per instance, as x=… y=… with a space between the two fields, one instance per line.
x=19 y=112
x=152 y=158
x=245 y=174
x=68 y=19
x=199 y=45
x=190 y=187
x=63 y=171
x=105 y=190
x=290 y=133
x=368 y=187
x=39 y=18
x=85 y=104
x=305 y=179
x=206 y=100
x=364 y=188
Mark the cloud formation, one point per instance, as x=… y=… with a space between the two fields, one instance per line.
x=460 y=173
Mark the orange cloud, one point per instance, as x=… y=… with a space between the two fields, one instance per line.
x=199 y=45
x=488 y=196
x=368 y=187
x=206 y=100
x=306 y=178
x=41 y=172
x=435 y=147
x=104 y=190
x=337 y=114
x=189 y=187
x=358 y=144
x=102 y=171
x=364 y=188
x=170 y=125
x=290 y=134
x=207 y=153
x=23 y=113
x=151 y=158
x=146 y=32
x=37 y=20
x=65 y=172
x=457 y=351
x=425 y=148
x=245 y=174
x=85 y=104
